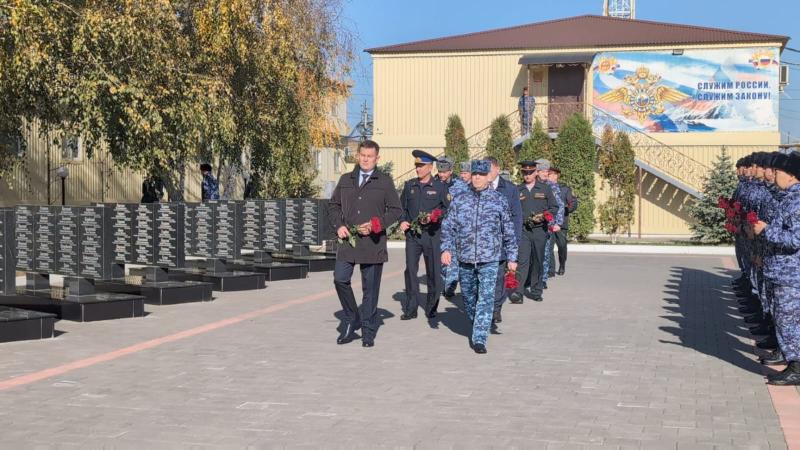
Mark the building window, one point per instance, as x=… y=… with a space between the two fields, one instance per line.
x=72 y=148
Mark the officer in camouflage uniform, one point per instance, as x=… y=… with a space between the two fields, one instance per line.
x=478 y=227
x=783 y=235
x=458 y=187
x=769 y=215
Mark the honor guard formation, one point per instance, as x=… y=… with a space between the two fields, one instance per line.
x=477 y=230
x=764 y=215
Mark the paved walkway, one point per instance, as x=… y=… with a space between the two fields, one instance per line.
x=626 y=351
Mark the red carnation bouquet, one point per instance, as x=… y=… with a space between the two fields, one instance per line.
x=510 y=281
x=733 y=214
x=424 y=219
x=751 y=218
x=549 y=218
x=375 y=228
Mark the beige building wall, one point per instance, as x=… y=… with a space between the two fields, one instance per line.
x=415 y=93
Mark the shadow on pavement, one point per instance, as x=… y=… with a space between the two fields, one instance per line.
x=704 y=309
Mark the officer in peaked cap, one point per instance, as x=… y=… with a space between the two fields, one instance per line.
x=420 y=197
x=536 y=198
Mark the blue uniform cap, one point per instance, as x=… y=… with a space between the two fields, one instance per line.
x=422 y=157
x=480 y=166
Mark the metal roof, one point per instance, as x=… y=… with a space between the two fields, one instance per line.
x=587 y=31
x=557 y=58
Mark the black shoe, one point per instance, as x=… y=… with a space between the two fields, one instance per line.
x=753 y=319
x=551 y=274
x=431 y=315
x=773 y=359
x=479 y=348
x=538 y=298
x=408 y=316
x=789 y=377
x=762 y=329
x=515 y=297
x=368 y=342
x=544 y=285
x=347 y=335
x=497 y=318
x=561 y=271
x=768 y=343
x=528 y=293
x=449 y=293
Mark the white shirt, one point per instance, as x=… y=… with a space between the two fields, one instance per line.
x=361 y=179
x=496 y=183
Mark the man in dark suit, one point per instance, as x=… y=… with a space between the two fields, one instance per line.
x=511 y=193
x=361 y=195
x=561 y=237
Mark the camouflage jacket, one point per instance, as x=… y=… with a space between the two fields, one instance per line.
x=782 y=235
x=478 y=227
x=458 y=187
x=559 y=217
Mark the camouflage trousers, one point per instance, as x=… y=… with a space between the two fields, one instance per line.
x=548 y=256
x=450 y=274
x=477 y=289
x=787 y=320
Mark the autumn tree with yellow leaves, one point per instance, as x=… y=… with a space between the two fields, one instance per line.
x=242 y=84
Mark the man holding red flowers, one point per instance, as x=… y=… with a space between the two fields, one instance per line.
x=424 y=201
x=366 y=202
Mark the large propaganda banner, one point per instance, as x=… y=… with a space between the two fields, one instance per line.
x=731 y=89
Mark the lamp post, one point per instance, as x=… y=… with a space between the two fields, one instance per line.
x=63 y=173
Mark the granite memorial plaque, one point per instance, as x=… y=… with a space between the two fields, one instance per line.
x=228 y=231
x=95 y=254
x=307 y=221
x=189 y=212
x=252 y=220
x=68 y=241
x=24 y=238
x=169 y=224
x=144 y=234
x=7 y=262
x=121 y=232
x=44 y=231
x=204 y=234
x=274 y=225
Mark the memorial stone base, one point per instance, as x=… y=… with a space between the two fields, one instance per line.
x=154 y=285
x=80 y=308
x=272 y=270
x=20 y=324
x=316 y=262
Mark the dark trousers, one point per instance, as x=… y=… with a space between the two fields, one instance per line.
x=370 y=286
x=531 y=260
x=429 y=246
x=558 y=239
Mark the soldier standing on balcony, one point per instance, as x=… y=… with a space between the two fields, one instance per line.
x=525 y=107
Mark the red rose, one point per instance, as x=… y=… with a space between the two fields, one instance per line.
x=737 y=206
x=375 y=224
x=730 y=214
x=547 y=216
x=510 y=281
x=723 y=203
x=730 y=227
x=752 y=218
x=436 y=214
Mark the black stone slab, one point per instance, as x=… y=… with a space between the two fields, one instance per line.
x=20 y=325
x=68 y=251
x=169 y=232
x=144 y=234
x=8 y=264
x=228 y=231
x=251 y=217
x=222 y=281
x=316 y=262
x=274 y=271
x=44 y=232
x=96 y=244
x=85 y=308
x=122 y=234
x=159 y=292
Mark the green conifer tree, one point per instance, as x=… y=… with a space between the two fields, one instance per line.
x=574 y=153
x=616 y=166
x=709 y=218
x=538 y=146
x=455 y=141
x=500 y=144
